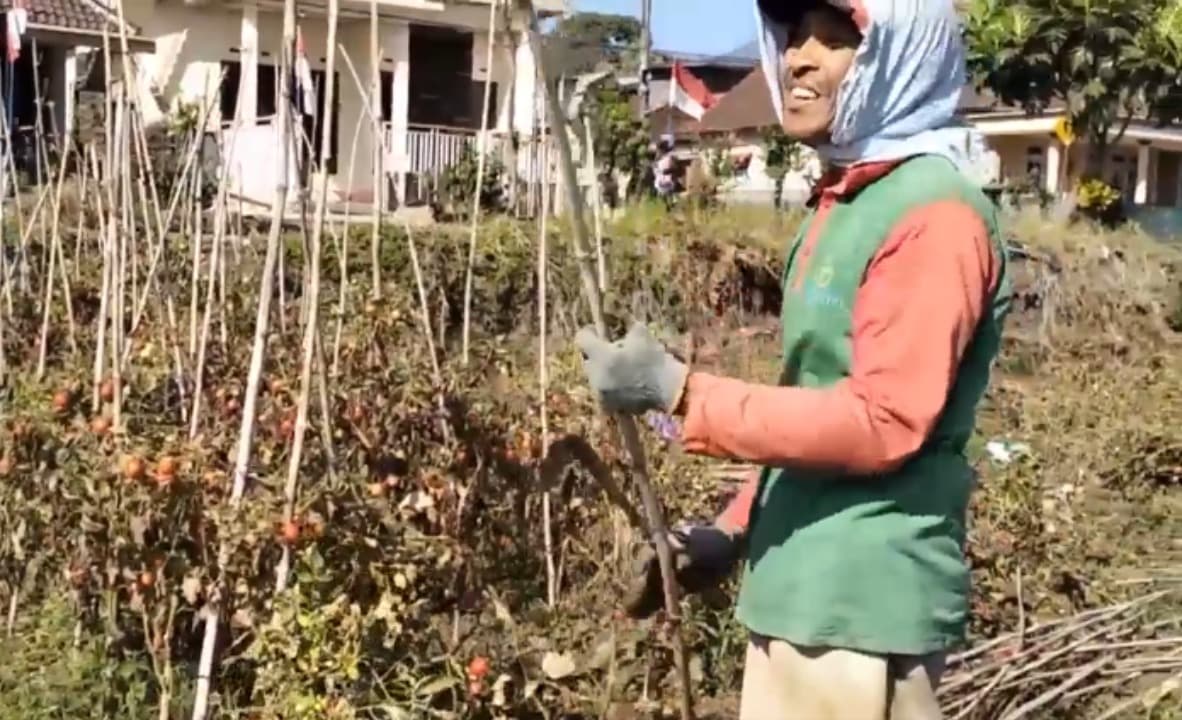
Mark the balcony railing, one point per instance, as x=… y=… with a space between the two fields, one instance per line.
x=430 y=150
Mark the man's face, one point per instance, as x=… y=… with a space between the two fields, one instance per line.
x=819 y=54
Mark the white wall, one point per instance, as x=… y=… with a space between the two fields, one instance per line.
x=192 y=42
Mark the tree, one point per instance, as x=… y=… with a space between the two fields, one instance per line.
x=585 y=42
x=1107 y=61
x=621 y=138
x=782 y=155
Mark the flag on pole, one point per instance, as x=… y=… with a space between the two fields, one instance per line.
x=303 y=72
x=17 y=19
x=689 y=94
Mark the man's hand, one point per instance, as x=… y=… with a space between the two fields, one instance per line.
x=703 y=557
x=633 y=375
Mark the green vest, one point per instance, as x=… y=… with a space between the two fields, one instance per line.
x=873 y=564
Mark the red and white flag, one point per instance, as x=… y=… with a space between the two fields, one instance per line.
x=689 y=94
x=303 y=72
x=17 y=20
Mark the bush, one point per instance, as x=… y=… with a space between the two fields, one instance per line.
x=458 y=183
x=417 y=545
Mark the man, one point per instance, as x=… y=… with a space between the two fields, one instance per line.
x=855 y=583
x=665 y=172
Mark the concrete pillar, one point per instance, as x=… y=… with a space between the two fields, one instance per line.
x=1054 y=168
x=399 y=39
x=525 y=87
x=1141 y=192
x=69 y=106
x=248 y=83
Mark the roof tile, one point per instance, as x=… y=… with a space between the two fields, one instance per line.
x=68 y=14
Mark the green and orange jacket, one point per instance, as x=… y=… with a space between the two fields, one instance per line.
x=895 y=292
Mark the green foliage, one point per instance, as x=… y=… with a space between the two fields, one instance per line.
x=46 y=674
x=588 y=41
x=458 y=182
x=621 y=139
x=782 y=155
x=169 y=149
x=1105 y=60
x=1099 y=201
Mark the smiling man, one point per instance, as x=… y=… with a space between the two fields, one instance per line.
x=855 y=583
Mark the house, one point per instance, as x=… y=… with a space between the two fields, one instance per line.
x=55 y=59
x=736 y=126
x=718 y=73
x=432 y=67
x=1145 y=162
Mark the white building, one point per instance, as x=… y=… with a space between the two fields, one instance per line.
x=433 y=62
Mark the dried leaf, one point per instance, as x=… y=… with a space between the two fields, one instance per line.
x=498 y=690
x=191 y=589
x=242 y=618
x=603 y=653
x=417 y=500
x=557 y=666
x=139 y=526
x=501 y=611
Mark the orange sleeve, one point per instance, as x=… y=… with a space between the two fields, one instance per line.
x=915 y=313
x=737 y=514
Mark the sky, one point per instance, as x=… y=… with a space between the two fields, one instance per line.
x=708 y=27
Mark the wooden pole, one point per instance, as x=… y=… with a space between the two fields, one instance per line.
x=375 y=94
x=258 y=351
x=481 y=155
x=646 y=41
x=627 y=424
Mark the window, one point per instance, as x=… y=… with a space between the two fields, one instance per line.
x=1034 y=165
x=442 y=91
x=265 y=95
x=387 y=81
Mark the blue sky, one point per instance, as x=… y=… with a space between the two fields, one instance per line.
x=708 y=27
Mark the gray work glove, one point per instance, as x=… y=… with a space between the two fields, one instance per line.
x=633 y=375
x=704 y=556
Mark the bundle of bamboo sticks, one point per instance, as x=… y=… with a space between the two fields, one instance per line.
x=1070 y=661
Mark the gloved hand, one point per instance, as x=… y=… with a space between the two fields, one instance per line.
x=633 y=375
x=703 y=557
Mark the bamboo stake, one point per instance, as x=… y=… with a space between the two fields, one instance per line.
x=312 y=321
x=216 y=261
x=481 y=151
x=342 y=299
x=374 y=104
x=425 y=309
x=596 y=206
x=196 y=238
x=104 y=294
x=627 y=424
x=118 y=251
x=543 y=381
x=50 y=268
x=262 y=323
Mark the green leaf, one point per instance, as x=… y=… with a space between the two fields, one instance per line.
x=438 y=685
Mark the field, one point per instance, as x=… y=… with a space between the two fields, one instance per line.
x=367 y=522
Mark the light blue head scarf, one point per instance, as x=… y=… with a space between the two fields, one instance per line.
x=900 y=96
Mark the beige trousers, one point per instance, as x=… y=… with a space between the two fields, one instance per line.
x=782 y=681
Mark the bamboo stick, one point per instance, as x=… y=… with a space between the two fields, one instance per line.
x=312 y=320
x=258 y=350
x=627 y=424
x=481 y=153
x=375 y=102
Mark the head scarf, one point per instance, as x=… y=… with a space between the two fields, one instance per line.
x=900 y=96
